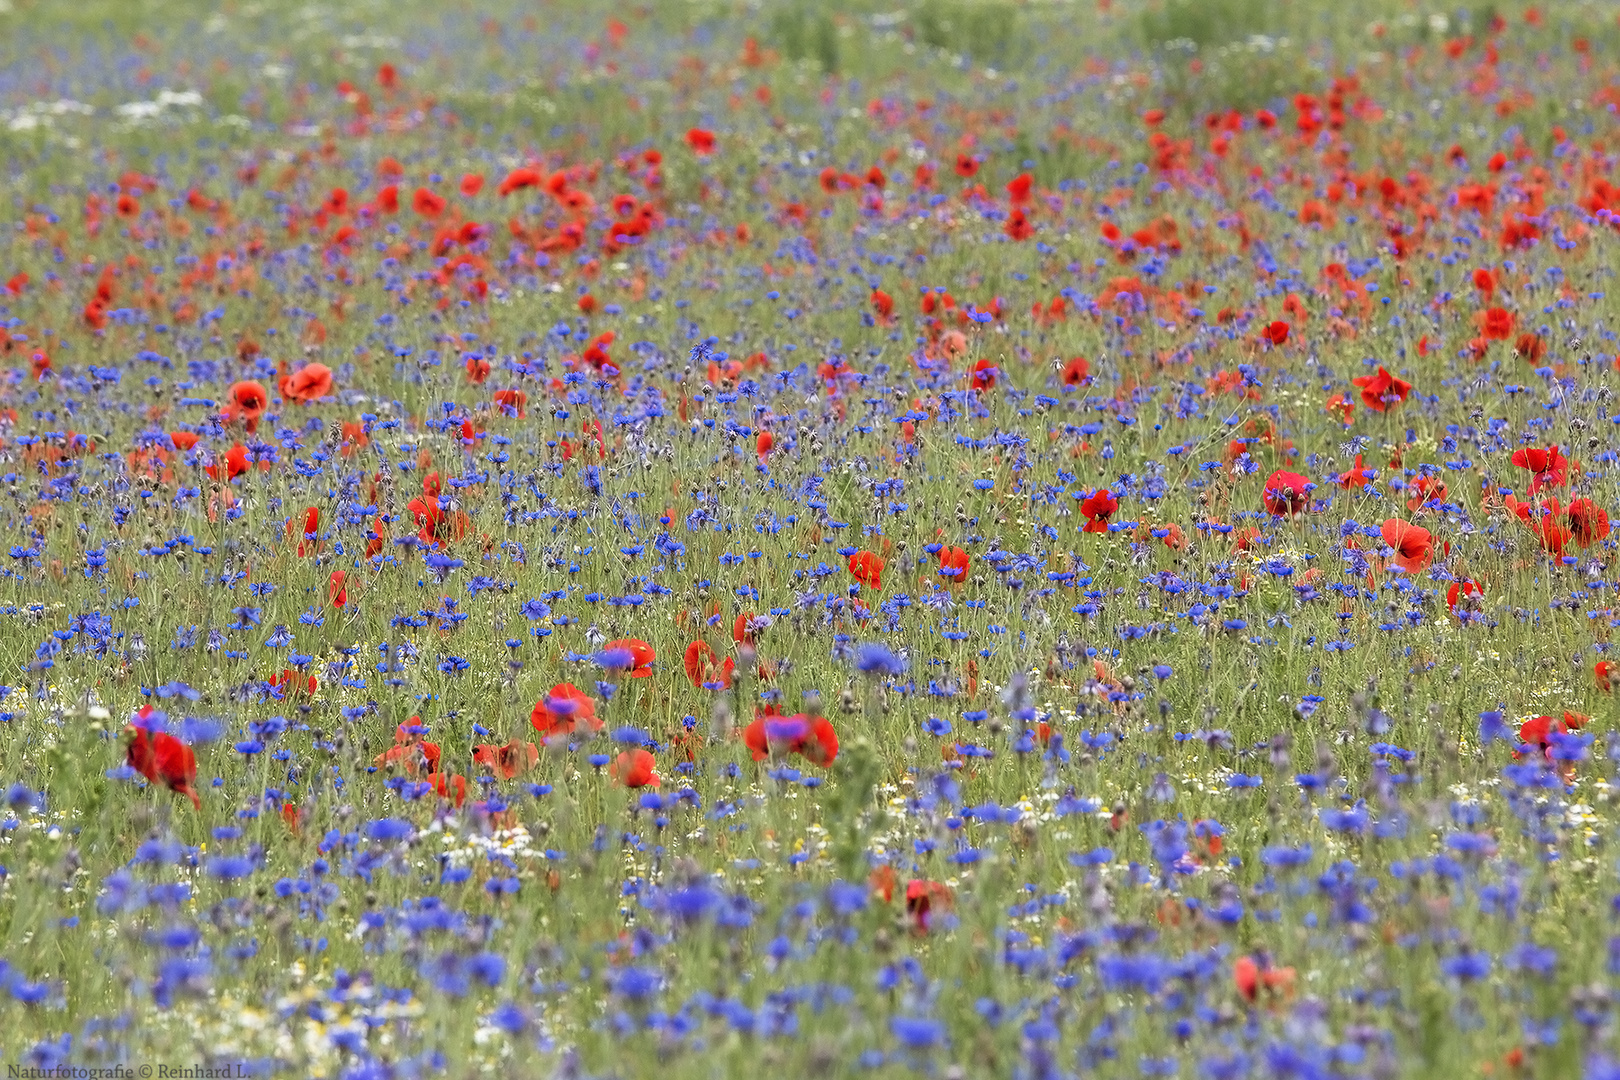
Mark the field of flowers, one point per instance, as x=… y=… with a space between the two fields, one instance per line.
x=955 y=537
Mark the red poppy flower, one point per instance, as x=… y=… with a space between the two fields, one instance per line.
x=1588 y=522
x=388 y=199
x=813 y=738
x=881 y=882
x=641 y=655
x=771 y=732
x=183 y=440
x=1098 y=507
x=435 y=524
x=376 y=538
x=1462 y=590
x=1426 y=490
x=635 y=769
x=1496 y=324
x=453 y=788
x=1250 y=979
x=1605 y=671
x=309 y=383
x=512 y=402
x=953 y=564
x=520 y=177
x=1538 y=732
x=1018 y=189
x=163 y=759
x=1077 y=372
x=1207 y=838
x=966 y=165
x=414 y=755
x=701 y=141
x=563 y=711
x=821 y=746
x=763 y=444
x=1357 y=477
x=246 y=401
x=312 y=528
x=1413 y=544
x=1553 y=534
x=1381 y=390
x=336 y=593
x=1276 y=332
x=882 y=303
x=234 y=465
x=428 y=203
x=983 y=375
x=471 y=184
x=513 y=759
x=924 y=899
x=1485 y=282
x=1286 y=493
x=1547 y=521
x=867 y=569
x=152 y=461
x=290 y=682
x=1550 y=468
x=702 y=665
x=1018 y=226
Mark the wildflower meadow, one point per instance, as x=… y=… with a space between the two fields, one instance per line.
x=698 y=538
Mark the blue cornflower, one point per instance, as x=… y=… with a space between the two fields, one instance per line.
x=510 y=1018
x=876 y=659
x=442 y=565
x=637 y=983
x=230 y=867
x=915 y=1033
x=1467 y=966
x=389 y=829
